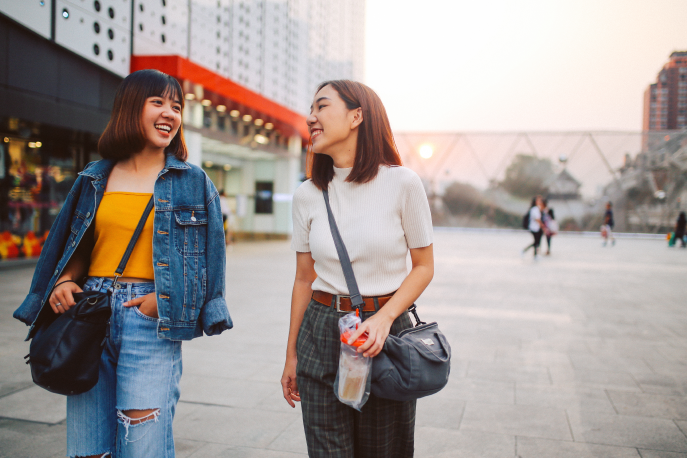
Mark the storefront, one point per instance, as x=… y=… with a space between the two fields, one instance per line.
x=38 y=166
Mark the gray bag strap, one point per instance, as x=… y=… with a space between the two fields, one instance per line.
x=351 y=283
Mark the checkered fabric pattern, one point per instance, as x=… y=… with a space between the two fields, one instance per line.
x=384 y=428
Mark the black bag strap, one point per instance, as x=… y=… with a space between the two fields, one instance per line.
x=351 y=283
x=132 y=242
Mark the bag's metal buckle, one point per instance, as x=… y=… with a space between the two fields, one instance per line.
x=113 y=286
x=338 y=302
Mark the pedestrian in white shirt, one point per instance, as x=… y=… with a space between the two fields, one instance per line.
x=536 y=226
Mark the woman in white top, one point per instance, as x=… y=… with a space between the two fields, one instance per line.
x=536 y=226
x=382 y=213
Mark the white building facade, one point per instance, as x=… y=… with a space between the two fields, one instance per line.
x=249 y=69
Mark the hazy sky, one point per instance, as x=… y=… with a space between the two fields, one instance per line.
x=493 y=65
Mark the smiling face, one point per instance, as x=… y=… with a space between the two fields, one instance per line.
x=160 y=119
x=333 y=126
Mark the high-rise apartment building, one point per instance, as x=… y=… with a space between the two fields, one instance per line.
x=248 y=68
x=665 y=101
x=279 y=48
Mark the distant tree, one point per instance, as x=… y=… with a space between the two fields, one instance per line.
x=526 y=176
x=462 y=198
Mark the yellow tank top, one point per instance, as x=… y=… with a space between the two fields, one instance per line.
x=115 y=222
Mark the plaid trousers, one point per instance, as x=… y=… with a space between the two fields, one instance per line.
x=384 y=428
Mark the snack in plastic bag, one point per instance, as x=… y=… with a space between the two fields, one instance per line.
x=353 y=379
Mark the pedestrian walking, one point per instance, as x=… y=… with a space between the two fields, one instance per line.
x=680 y=229
x=172 y=288
x=607 y=226
x=535 y=225
x=226 y=218
x=550 y=225
x=382 y=212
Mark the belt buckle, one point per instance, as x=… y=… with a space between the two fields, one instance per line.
x=338 y=302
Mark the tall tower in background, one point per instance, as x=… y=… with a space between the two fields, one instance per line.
x=665 y=101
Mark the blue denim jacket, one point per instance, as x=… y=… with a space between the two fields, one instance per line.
x=189 y=252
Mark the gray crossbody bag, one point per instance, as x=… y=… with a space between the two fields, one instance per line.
x=414 y=364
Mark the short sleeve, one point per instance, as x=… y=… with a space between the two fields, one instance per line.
x=300 y=240
x=416 y=217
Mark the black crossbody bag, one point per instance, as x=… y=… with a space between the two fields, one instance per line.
x=414 y=364
x=66 y=348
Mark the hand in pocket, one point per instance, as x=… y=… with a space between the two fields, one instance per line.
x=147 y=305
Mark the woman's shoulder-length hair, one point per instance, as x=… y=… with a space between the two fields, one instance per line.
x=376 y=145
x=124 y=134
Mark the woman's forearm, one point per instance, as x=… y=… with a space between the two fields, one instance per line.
x=300 y=297
x=412 y=287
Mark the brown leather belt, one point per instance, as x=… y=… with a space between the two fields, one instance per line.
x=343 y=303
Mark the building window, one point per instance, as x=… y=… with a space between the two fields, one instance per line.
x=263 y=197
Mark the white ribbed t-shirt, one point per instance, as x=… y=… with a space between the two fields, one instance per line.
x=378 y=221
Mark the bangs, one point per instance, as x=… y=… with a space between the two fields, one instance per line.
x=162 y=85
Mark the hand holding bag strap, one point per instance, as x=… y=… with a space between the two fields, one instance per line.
x=132 y=242
x=351 y=283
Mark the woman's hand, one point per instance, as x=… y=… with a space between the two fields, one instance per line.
x=62 y=297
x=288 y=382
x=377 y=328
x=147 y=305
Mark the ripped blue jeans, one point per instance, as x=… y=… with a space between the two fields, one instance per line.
x=138 y=371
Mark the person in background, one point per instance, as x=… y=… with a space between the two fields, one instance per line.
x=550 y=224
x=536 y=226
x=607 y=226
x=226 y=217
x=680 y=229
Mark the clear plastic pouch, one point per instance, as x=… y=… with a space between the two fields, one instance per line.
x=353 y=379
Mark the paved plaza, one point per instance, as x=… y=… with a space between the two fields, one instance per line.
x=581 y=354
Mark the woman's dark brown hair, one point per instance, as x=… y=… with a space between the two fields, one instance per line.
x=376 y=145
x=124 y=134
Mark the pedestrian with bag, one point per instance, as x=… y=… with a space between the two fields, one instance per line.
x=607 y=226
x=535 y=225
x=144 y=229
x=550 y=223
x=680 y=229
x=382 y=213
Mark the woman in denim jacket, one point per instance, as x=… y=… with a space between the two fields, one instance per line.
x=172 y=288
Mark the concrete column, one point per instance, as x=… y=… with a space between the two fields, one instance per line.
x=194 y=145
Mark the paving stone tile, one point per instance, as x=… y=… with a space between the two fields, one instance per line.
x=22 y=439
x=229 y=425
x=531 y=421
x=609 y=363
x=611 y=380
x=291 y=439
x=439 y=411
x=666 y=384
x=649 y=405
x=467 y=389
x=541 y=358
x=529 y=447
x=247 y=452
x=222 y=391
x=445 y=443
x=658 y=454
x=627 y=431
x=508 y=372
x=571 y=397
x=34 y=404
